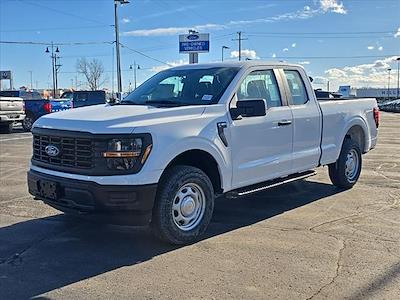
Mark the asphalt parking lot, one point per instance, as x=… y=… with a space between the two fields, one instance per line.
x=305 y=240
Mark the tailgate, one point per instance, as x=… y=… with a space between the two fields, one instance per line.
x=9 y=104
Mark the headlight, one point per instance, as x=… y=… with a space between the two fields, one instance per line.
x=126 y=154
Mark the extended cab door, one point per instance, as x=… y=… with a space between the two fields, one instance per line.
x=261 y=146
x=307 y=123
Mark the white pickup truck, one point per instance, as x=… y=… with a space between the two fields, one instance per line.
x=11 y=111
x=191 y=133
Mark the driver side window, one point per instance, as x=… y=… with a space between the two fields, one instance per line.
x=260 y=85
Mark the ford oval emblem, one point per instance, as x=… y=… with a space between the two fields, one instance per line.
x=193 y=37
x=52 y=150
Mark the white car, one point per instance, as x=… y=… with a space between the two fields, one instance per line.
x=191 y=133
x=11 y=111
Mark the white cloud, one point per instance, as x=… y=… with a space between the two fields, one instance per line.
x=285 y=49
x=273 y=55
x=294 y=45
x=372 y=74
x=172 y=30
x=333 y=6
x=126 y=20
x=246 y=53
x=397 y=34
x=380 y=48
x=304 y=62
x=307 y=12
x=175 y=63
x=370 y=47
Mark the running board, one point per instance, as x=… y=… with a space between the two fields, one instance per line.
x=269 y=184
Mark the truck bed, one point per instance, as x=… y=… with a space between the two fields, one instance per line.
x=335 y=113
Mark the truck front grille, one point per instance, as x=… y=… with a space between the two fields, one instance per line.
x=73 y=152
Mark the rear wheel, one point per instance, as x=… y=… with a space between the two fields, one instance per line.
x=6 y=127
x=28 y=122
x=184 y=205
x=345 y=172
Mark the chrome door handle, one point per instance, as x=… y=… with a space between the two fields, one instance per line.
x=284 y=123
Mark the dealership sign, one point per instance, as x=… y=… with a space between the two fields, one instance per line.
x=5 y=75
x=194 y=43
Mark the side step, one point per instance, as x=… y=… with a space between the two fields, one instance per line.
x=269 y=184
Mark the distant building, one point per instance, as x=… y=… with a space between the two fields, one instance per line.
x=381 y=94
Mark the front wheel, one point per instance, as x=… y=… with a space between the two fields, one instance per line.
x=184 y=205
x=27 y=123
x=345 y=172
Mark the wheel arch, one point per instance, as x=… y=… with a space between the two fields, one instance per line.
x=204 y=161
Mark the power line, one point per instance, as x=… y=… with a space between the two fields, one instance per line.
x=331 y=57
x=145 y=55
x=320 y=32
x=58 y=44
x=57 y=28
x=62 y=12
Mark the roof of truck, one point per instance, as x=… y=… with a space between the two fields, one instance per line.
x=239 y=64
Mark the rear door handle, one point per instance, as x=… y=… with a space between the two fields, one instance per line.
x=284 y=123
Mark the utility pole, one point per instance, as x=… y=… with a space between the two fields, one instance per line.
x=222 y=54
x=389 y=83
x=119 y=75
x=239 y=39
x=398 y=77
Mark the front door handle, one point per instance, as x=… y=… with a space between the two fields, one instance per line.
x=284 y=123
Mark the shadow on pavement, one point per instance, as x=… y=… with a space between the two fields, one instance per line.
x=41 y=255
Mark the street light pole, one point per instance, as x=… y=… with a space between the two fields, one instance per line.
x=222 y=54
x=134 y=67
x=398 y=77
x=52 y=67
x=119 y=76
x=389 y=82
x=30 y=72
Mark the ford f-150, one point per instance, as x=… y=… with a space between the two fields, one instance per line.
x=191 y=133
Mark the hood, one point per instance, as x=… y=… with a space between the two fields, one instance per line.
x=105 y=118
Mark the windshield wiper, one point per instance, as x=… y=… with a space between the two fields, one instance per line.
x=164 y=102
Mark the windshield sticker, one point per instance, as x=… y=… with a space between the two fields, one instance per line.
x=207 y=97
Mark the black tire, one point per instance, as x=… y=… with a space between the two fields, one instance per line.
x=28 y=122
x=164 y=216
x=337 y=171
x=6 y=127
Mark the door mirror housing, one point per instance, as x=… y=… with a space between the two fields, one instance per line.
x=249 y=108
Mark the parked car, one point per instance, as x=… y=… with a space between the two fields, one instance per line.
x=191 y=133
x=85 y=98
x=11 y=111
x=390 y=106
x=36 y=106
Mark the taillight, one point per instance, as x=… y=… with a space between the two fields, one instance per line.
x=47 y=107
x=377 y=116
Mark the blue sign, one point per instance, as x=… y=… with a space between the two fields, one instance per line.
x=194 y=43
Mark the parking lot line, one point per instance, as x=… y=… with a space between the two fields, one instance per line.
x=16 y=138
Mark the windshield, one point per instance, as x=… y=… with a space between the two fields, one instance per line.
x=183 y=87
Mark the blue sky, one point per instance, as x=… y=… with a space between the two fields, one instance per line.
x=346 y=42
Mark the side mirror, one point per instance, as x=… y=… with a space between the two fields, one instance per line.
x=249 y=108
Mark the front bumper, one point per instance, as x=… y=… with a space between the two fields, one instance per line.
x=17 y=117
x=115 y=204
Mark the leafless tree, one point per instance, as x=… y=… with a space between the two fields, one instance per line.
x=93 y=70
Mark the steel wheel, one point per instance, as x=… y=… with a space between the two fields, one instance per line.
x=352 y=165
x=188 y=206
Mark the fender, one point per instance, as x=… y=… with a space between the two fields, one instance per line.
x=215 y=148
x=354 y=121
